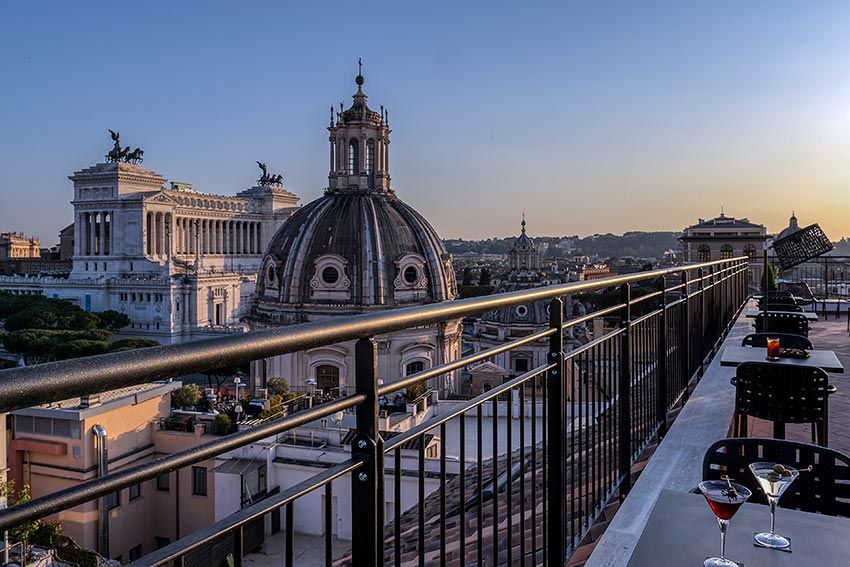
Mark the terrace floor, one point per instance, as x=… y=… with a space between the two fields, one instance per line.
x=832 y=335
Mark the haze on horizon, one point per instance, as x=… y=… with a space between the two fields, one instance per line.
x=590 y=117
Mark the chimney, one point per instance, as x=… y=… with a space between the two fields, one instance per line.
x=89 y=400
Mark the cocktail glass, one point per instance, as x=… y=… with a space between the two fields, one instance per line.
x=724 y=498
x=773 y=348
x=774 y=479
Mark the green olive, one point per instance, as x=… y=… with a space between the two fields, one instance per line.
x=777 y=468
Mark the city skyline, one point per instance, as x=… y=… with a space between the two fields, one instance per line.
x=619 y=118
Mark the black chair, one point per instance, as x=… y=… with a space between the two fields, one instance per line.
x=785 y=340
x=782 y=394
x=778 y=322
x=824 y=490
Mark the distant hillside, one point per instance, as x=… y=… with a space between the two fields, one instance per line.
x=638 y=244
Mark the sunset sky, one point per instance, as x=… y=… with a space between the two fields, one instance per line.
x=589 y=116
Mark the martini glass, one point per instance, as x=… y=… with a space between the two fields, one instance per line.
x=774 y=479
x=724 y=498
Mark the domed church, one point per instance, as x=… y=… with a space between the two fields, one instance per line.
x=357 y=249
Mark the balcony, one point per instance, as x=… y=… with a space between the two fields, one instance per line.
x=519 y=474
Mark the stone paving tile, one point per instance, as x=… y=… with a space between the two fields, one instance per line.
x=830 y=335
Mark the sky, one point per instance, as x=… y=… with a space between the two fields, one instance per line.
x=591 y=117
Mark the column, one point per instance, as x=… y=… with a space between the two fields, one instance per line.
x=204 y=240
x=105 y=228
x=219 y=234
x=251 y=238
x=260 y=246
x=332 y=164
x=361 y=148
x=228 y=243
x=92 y=234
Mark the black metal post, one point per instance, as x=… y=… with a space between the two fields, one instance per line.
x=238 y=546
x=661 y=407
x=685 y=336
x=556 y=425
x=365 y=551
x=701 y=289
x=764 y=294
x=624 y=392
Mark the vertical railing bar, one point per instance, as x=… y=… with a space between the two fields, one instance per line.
x=556 y=425
x=480 y=455
x=462 y=527
x=289 y=559
x=398 y=507
x=522 y=474
x=329 y=558
x=624 y=392
x=442 y=494
x=421 y=510
x=495 y=479
x=661 y=364
x=508 y=466
x=534 y=382
x=367 y=483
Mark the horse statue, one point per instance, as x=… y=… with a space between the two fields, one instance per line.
x=135 y=156
x=276 y=179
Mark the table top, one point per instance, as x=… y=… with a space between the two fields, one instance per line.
x=683 y=531
x=826 y=359
x=809 y=315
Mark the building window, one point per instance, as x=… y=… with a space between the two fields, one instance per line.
x=330 y=275
x=113 y=500
x=135 y=553
x=370 y=156
x=47 y=426
x=135 y=491
x=327 y=377
x=199 y=481
x=414 y=367
x=750 y=251
x=353 y=156
x=726 y=252
x=521 y=365
x=704 y=253
x=163 y=482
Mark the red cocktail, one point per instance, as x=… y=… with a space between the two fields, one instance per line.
x=724 y=498
x=773 y=348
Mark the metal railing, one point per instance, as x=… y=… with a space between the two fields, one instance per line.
x=584 y=417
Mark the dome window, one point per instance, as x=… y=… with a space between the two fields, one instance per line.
x=521 y=310
x=270 y=273
x=370 y=156
x=411 y=275
x=353 y=156
x=330 y=275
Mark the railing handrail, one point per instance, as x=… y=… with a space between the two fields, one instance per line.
x=55 y=381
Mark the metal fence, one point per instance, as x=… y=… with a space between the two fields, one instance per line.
x=584 y=417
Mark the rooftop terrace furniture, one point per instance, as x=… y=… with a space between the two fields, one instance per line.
x=779 y=322
x=786 y=307
x=786 y=340
x=824 y=490
x=782 y=394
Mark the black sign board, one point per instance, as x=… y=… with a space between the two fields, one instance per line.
x=800 y=246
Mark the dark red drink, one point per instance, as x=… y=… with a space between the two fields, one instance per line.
x=723 y=508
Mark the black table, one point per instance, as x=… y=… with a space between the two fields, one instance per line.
x=682 y=532
x=826 y=359
x=752 y=313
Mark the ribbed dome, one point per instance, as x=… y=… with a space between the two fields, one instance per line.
x=354 y=250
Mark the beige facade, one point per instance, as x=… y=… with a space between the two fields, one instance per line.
x=55 y=447
x=723 y=237
x=14 y=245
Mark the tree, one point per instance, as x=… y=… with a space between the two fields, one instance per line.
x=467 y=276
x=484 y=277
x=223 y=424
x=186 y=396
x=771 y=277
x=36 y=531
x=112 y=320
x=278 y=386
x=43 y=345
x=415 y=390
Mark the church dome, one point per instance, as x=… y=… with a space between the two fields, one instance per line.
x=358 y=246
x=356 y=249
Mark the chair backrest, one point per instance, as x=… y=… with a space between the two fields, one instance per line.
x=785 y=340
x=781 y=392
x=825 y=490
x=785 y=307
x=783 y=322
x=800 y=289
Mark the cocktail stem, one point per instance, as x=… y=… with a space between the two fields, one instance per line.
x=723 y=525
x=772 y=500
